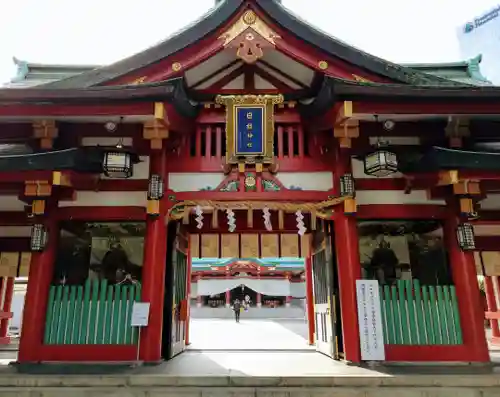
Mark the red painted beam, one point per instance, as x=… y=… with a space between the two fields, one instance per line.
x=401 y=211
x=124 y=109
x=438 y=108
x=285 y=116
x=14 y=218
x=96 y=353
x=415 y=353
x=14 y=244
x=109 y=214
x=240 y=91
x=285 y=195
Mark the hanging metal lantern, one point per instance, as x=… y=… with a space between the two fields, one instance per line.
x=156 y=187
x=39 y=238
x=465 y=237
x=347 y=186
x=381 y=163
x=117 y=164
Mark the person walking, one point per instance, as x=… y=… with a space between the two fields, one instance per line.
x=237 y=310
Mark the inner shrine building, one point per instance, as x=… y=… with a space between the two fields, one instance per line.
x=247 y=140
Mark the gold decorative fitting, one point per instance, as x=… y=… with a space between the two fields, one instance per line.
x=176 y=66
x=249 y=17
x=140 y=80
x=323 y=65
x=250 y=36
x=360 y=79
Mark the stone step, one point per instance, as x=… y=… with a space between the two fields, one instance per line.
x=138 y=385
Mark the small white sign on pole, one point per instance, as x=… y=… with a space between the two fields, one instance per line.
x=140 y=314
x=371 y=331
x=139 y=318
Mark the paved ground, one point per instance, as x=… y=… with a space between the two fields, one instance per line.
x=221 y=334
x=253 y=348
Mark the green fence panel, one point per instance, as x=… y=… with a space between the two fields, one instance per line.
x=435 y=314
x=429 y=326
x=108 y=318
x=398 y=337
x=137 y=298
x=456 y=315
x=385 y=292
x=50 y=315
x=452 y=333
x=70 y=324
x=412 y=318
x=403 y=309
x=443 y=325
x=420 y=315
x=91 y=314
x=101 y=312
x=78 y=315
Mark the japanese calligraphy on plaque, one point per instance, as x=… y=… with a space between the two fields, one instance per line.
x=249 y=127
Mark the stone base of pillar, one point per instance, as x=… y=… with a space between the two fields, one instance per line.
x=259 y=305
x=228 y=305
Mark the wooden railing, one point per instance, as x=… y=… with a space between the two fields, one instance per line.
x=420 y=315
x=91 y=314
x=205 y=148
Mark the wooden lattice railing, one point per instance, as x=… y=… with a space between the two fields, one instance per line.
x=91 y=314
x=420 y=315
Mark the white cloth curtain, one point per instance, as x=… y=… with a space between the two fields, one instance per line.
x=263 y=286
x=213 y=286
x=194 y=290
x=298 y=290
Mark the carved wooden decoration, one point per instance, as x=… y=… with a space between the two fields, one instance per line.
x=24 y=264
x=249 y=36
x=250 y=245
x=230 y=245
x=210 y=245
x=269 y=245
x=289 y=245
x=194 y=245
x=8 y=264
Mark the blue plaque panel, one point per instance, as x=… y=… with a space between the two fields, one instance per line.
x=249 y=127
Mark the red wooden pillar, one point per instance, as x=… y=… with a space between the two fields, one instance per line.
x=228 y=298
x=349 y=270
x=309 y=299
x=37 y=293
x=153 y=272
x=258 y=299
x=348 y=263
x=492 y=304
x=463 y=269
x=7 y=303
x=188 y=291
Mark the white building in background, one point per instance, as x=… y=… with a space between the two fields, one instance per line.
x=481 y=35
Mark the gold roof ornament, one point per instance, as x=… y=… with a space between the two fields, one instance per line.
x=250 y=36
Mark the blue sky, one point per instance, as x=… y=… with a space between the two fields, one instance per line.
x=104 y=31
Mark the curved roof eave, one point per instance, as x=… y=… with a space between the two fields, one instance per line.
x=205 y=25
x=344 y=51
x=216 y=17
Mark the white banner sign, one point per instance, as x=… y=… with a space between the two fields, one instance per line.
x=140 y=314
x=371 y=333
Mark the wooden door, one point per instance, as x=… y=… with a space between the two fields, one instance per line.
x=176 y=291
x=323 y=291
